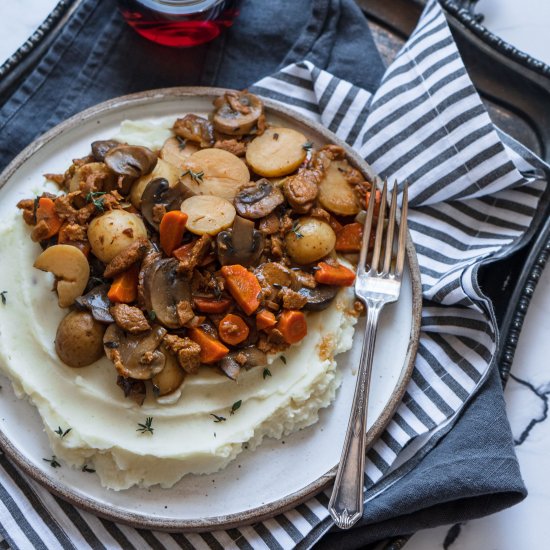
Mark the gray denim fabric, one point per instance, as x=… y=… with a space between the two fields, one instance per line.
x=473 y=471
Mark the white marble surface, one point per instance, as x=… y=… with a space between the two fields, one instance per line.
x=526 y=25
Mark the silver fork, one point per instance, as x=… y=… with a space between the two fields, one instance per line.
x=375 y=288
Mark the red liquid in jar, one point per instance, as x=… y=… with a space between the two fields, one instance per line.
x=179 y=23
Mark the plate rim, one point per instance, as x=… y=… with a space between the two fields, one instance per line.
x=259 y=513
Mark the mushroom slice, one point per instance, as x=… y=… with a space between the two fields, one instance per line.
x=158 y=193
x=240 y=245
x=135 y=355
x=195 y=128
x=71 y=268
x=258 y=201
x=102 y=147
x=170 y=378
x=246 y=358
x=163 y=289
x=318 y=298
x=237 y=113
x=130 y=160
x=97 y=302
x=133 y=389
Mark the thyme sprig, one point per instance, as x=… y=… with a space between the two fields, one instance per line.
x=195 y=176
x=92 y=197
x=53 y=462
x=3 y=297
x=62 y=433
x=147 y=427
x=218 y=418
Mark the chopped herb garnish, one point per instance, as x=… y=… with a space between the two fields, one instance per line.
x=283 y=359
x=195 y=176
x=62 y=433
x=92 y=197
x=53 y=461
x=34 y=209
x=307 y=146
x=181 y=142
x=236 y=406
x=147 y=427
x=296 y=230
x=218 y=418
x=3 y=297
x=87 y=470
x=152 y=315
x=267 y=373
x=275 y=136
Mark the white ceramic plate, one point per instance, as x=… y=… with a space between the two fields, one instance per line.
x=303 y=463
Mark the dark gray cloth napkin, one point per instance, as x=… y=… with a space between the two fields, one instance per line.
x=470 y=472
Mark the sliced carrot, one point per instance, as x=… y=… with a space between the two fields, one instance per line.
x=349 y=238
x=171 y=229
x=338 y=275
x=293 y=325
x=46 y=212
x=233 y=330
x=124 y=287
x=378 y=199
x=265 y=319
x=212 y=350
x=243 y=286
x=183 y=251
x=211 y=305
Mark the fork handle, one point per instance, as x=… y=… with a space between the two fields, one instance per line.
x=346 y=502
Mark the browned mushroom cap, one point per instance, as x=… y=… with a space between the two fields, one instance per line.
x=135 y=355
x=130 y=160
x=102 y=147
x=240 y=245
x=195 y=128
x=97 y=302
x=163 y=289
x=159 y=193
x=259 y=200
x=252 y=357
x=237 y=113
x=318 y=298
x=132 y=388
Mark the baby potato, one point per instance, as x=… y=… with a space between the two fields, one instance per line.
x=310 y=240
x=335 y=194
x=176 y=153
x=114 y=231
x=207 y=214
x=162 y=169
x=79 y=339
x=277 y=152
x=215 y=172
x=170 y=378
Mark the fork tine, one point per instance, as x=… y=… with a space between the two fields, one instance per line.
x=379 y=229
x=390 y=230
x=367 y=229
x=402 y=243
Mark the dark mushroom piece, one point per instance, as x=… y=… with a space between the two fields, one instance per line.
x=135 y=355
x=237 y=113
x=258 y=201
x=131 y=160
x=253 y=358
x=318 y=298
x=163 y=289
x=242 y=244
x=97 y=302
x=159 y=193
x=102 y=147
x=195 y=128
x=133 y=389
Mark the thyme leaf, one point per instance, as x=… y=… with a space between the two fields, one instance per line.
x=147 y=427
x=283 y=359
x=62 y=433
x=218 y=418
x=307 y=146
x=266 y=373
x=96 y=198
x=53 y=462
x=181 y=142
x=87 y=470
x=296 y=230
x=195 y=176
x=3 y=297
x=236 y=406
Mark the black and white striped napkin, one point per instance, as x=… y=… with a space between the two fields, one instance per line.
x=473 y=194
